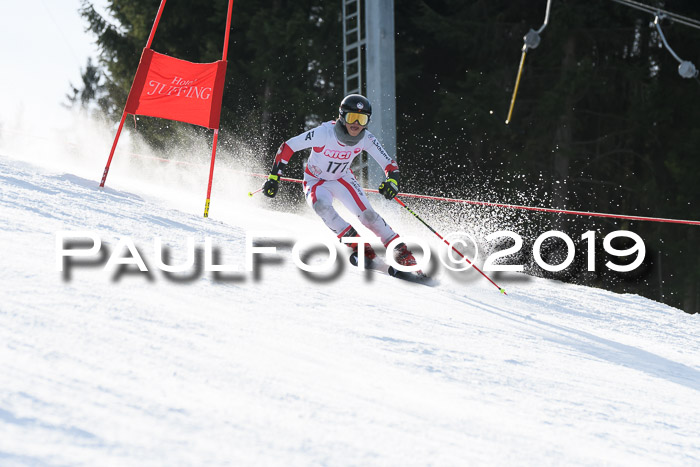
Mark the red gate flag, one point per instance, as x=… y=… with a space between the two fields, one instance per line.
x=175 y=89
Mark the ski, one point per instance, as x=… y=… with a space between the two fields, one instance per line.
x=355 y=261
x=379 y=266
x=418 y=276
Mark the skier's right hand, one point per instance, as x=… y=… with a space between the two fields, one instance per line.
x=271 y=185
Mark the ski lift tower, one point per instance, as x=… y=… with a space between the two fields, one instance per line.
x=371 y=43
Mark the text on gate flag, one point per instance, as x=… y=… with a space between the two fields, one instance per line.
x=175 y=89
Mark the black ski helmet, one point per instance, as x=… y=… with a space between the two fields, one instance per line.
x=355 y=103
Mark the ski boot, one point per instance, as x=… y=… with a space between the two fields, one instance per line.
x=403 y=255
x=354 y=257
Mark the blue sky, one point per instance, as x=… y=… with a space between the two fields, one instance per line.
x=43 y=48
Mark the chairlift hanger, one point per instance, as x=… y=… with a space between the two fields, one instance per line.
x=685 y=68
x=531 y=41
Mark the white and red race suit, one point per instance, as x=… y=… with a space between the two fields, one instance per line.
x=327 y=176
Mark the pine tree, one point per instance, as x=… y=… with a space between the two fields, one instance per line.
x=91 y=90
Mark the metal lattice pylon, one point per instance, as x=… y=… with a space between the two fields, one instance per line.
x=368 y=65
x=353 y=47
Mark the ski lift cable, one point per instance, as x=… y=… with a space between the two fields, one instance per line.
x=69 y=47
x=659 y=12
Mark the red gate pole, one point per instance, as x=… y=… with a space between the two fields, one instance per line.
x=114 y=147
x=216 y=130
x=121 y=123
x=211 y=173
x=228 y=29
x=155 y=24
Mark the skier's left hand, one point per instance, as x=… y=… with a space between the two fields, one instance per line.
x=390 y=187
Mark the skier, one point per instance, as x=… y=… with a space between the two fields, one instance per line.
x=327 y=176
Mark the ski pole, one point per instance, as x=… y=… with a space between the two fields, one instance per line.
x=251 y=193
x=500 y=289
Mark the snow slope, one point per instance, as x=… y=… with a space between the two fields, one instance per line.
x=277 y=368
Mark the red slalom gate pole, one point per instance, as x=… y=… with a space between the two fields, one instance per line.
x=114 y=147
x=155 y=24
x=211 y=172
x=500 y=289
x=121 y=123
x=216 y=130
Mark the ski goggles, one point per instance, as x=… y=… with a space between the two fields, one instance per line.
x=352 y=117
